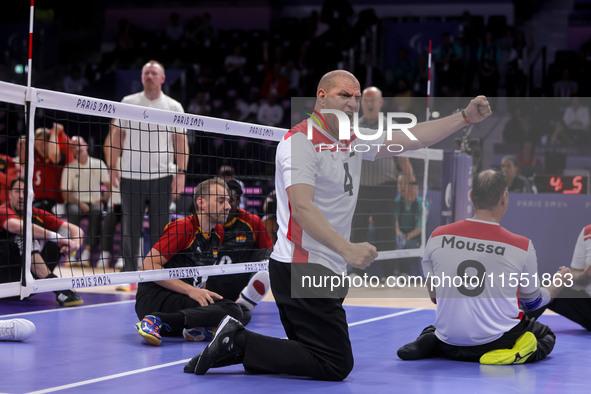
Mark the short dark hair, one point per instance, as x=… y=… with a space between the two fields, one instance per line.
x=487 y=188
x=234 y=186
x=15 y=180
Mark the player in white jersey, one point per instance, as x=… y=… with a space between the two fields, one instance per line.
x=478 y=275
x=575 y=304
x=317 y=180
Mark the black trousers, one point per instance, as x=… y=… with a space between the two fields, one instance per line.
x=573 y=304
x=318 y=344
x=195 y=314
x=544 y=335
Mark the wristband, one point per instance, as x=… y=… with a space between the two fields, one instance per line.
x=465 y=117
x=53 y=237
x=179 y=171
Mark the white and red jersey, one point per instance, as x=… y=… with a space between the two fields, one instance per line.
x=504 y=263
x=582 y=253
x=333 y=168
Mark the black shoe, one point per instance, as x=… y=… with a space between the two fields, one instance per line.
x=422 y=347
x=222 y=350
x=67 y=298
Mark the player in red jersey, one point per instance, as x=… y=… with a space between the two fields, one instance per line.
x=52 y=153
x=45 y=227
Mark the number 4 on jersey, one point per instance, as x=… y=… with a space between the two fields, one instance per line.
x=348 y=184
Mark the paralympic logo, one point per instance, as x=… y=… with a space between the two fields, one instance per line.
x=146 y=116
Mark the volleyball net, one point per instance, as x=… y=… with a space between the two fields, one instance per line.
x=37 y=123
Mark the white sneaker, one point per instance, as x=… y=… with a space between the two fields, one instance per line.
x=119 y=264
x=85 y=256
x=103 y=261
x=16 y=329
x=255 y=290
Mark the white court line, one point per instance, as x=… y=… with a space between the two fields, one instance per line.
x=64 y=309
x=134 y=372
x=118 y=375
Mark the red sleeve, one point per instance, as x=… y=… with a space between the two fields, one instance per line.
x=261 y=237
x=49 y=221
x=64 y=144
x=177 y=236
x=6 y=213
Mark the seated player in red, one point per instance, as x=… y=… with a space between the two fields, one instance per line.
x=186 y=306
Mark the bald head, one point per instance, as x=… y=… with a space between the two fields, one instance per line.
x=332 y=78
x=488 y=186
x=371 y=104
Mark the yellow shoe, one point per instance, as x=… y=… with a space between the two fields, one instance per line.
x=524 y=347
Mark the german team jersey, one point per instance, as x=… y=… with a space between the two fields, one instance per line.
x=582 y=253
x=47 y=175
x=184 y=244
x=333 y=168
x=498 y=266
x=245 y=240
x=39 y=217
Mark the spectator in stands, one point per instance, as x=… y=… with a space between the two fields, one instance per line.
x=150 y=177
x=199 y=104
x=275 y=83
x=404 y=67
x=526 y=161
x=515 y=182
x=574 y=126
x=448 y=67
x=227 y=172
x=489 y=57
x=174 y=31
x=368 y=73
x=517 y=65
x=565 y=87
x=270 y=113
x=519 y=128
x=249 y=108
x=75 y=82
x=235 y=62
x=46 y=229
x=81 y=184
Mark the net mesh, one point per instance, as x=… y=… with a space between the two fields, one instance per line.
x=71 y=124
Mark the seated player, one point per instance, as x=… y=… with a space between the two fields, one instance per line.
x=482 y=321
x=45 y=227
x=184 y=306
x=575 y=304
x=245 y=240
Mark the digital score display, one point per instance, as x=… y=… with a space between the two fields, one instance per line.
x=575 y=184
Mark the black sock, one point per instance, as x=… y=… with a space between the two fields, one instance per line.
x=423 y=347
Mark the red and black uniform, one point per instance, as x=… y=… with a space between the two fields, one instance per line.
x=47 y=175
x=10 y=247
x=184 y=244
x=245 y=240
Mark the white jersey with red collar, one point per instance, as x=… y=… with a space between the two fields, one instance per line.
x=333 y=168
x=505 y=265
x=582 y=253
